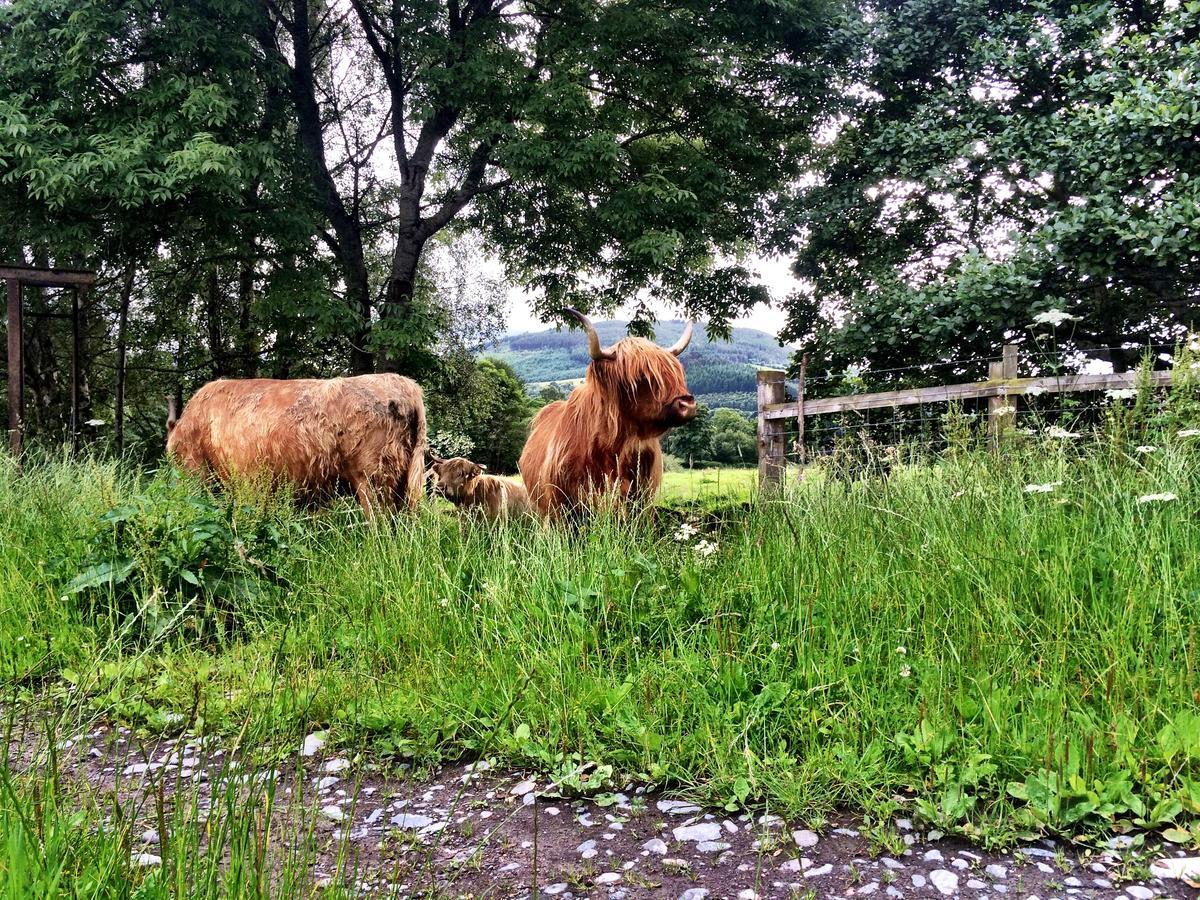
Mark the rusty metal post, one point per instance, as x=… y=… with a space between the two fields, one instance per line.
x=76 y=339
x=16 y=371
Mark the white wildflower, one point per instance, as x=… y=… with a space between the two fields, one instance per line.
x=1120 y=394
x=1194 y=346
x=902 y=650
x=1054 y=318
x=1056 y=431
x=1005 y=410
x=958 y=493
x=774 y=645
x=1034 y=390
x=95 y=423
x=685 y=532
x=1165 y=497
x=905 y=670
x=1145 y=448
x=1042 y=488
x=1190 y=432
x=704 y=549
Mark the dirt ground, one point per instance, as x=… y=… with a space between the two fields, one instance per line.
x=474 y=831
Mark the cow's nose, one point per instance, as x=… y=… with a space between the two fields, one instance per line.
x=685 y=407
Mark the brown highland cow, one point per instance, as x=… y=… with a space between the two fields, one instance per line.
x=364 y=434
x=605 y=436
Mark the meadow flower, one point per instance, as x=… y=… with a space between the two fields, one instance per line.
x=1054 y=317
x=686 y=532
x=704 y=549
x=1145 y=448
x=1056 y=431
x=1005 y=410
x=1034 y=390
x=1042 y=488
x=902 y=650
x=905 y=670
x=1120 y=394
x=958 y=493
x=1165 y=497
x=1190 y=432
x=775 y=645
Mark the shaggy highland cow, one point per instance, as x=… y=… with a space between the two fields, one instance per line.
x=605 y=436
x=364 y=434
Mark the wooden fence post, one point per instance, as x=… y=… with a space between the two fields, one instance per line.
x=1002 y=410
x=772 y=456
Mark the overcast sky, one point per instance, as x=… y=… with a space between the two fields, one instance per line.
x=773 y=272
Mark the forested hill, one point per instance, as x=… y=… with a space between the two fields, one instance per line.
x=720 y=373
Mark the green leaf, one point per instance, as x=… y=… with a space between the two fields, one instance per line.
x=104 y=574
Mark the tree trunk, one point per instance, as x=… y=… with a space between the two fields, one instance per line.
x=397 y=309
x=180 y=361
x=212 y=306
x=122 y=329
x=247 y=340
x=358 y=296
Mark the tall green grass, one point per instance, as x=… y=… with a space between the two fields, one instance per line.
x=1013 y=662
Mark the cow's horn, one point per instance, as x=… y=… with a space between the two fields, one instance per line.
x=594 y=347
x=686 y=338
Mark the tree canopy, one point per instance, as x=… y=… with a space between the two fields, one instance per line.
x=993 y=161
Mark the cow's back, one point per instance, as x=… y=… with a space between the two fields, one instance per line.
x=314 y=433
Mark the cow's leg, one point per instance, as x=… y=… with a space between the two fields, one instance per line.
x=368 y=498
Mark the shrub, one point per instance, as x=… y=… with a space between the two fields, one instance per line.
x=171 y=559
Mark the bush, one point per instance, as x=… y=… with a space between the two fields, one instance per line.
x=170 y=559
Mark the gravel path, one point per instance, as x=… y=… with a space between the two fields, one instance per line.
x=473 y=831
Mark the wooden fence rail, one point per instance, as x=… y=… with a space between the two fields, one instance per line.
x=1002 y=389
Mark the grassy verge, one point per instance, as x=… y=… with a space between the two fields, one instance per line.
x=1013 y=661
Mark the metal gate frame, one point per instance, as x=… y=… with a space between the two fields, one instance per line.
x=17 y=277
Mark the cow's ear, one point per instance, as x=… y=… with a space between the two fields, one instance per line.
x=482 y=467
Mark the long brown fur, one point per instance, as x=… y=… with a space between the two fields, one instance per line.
x=605 y=436
x=464 y=484
x=365 y=432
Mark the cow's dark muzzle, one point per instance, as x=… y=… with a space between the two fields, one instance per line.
x=681 y=410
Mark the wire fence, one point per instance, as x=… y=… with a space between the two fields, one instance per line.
x=862 y=433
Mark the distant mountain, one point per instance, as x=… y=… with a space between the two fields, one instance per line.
x=720 y=373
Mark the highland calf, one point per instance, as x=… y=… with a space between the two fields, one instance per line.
x=364 y=434
x=604 y=438
x=464 y=484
